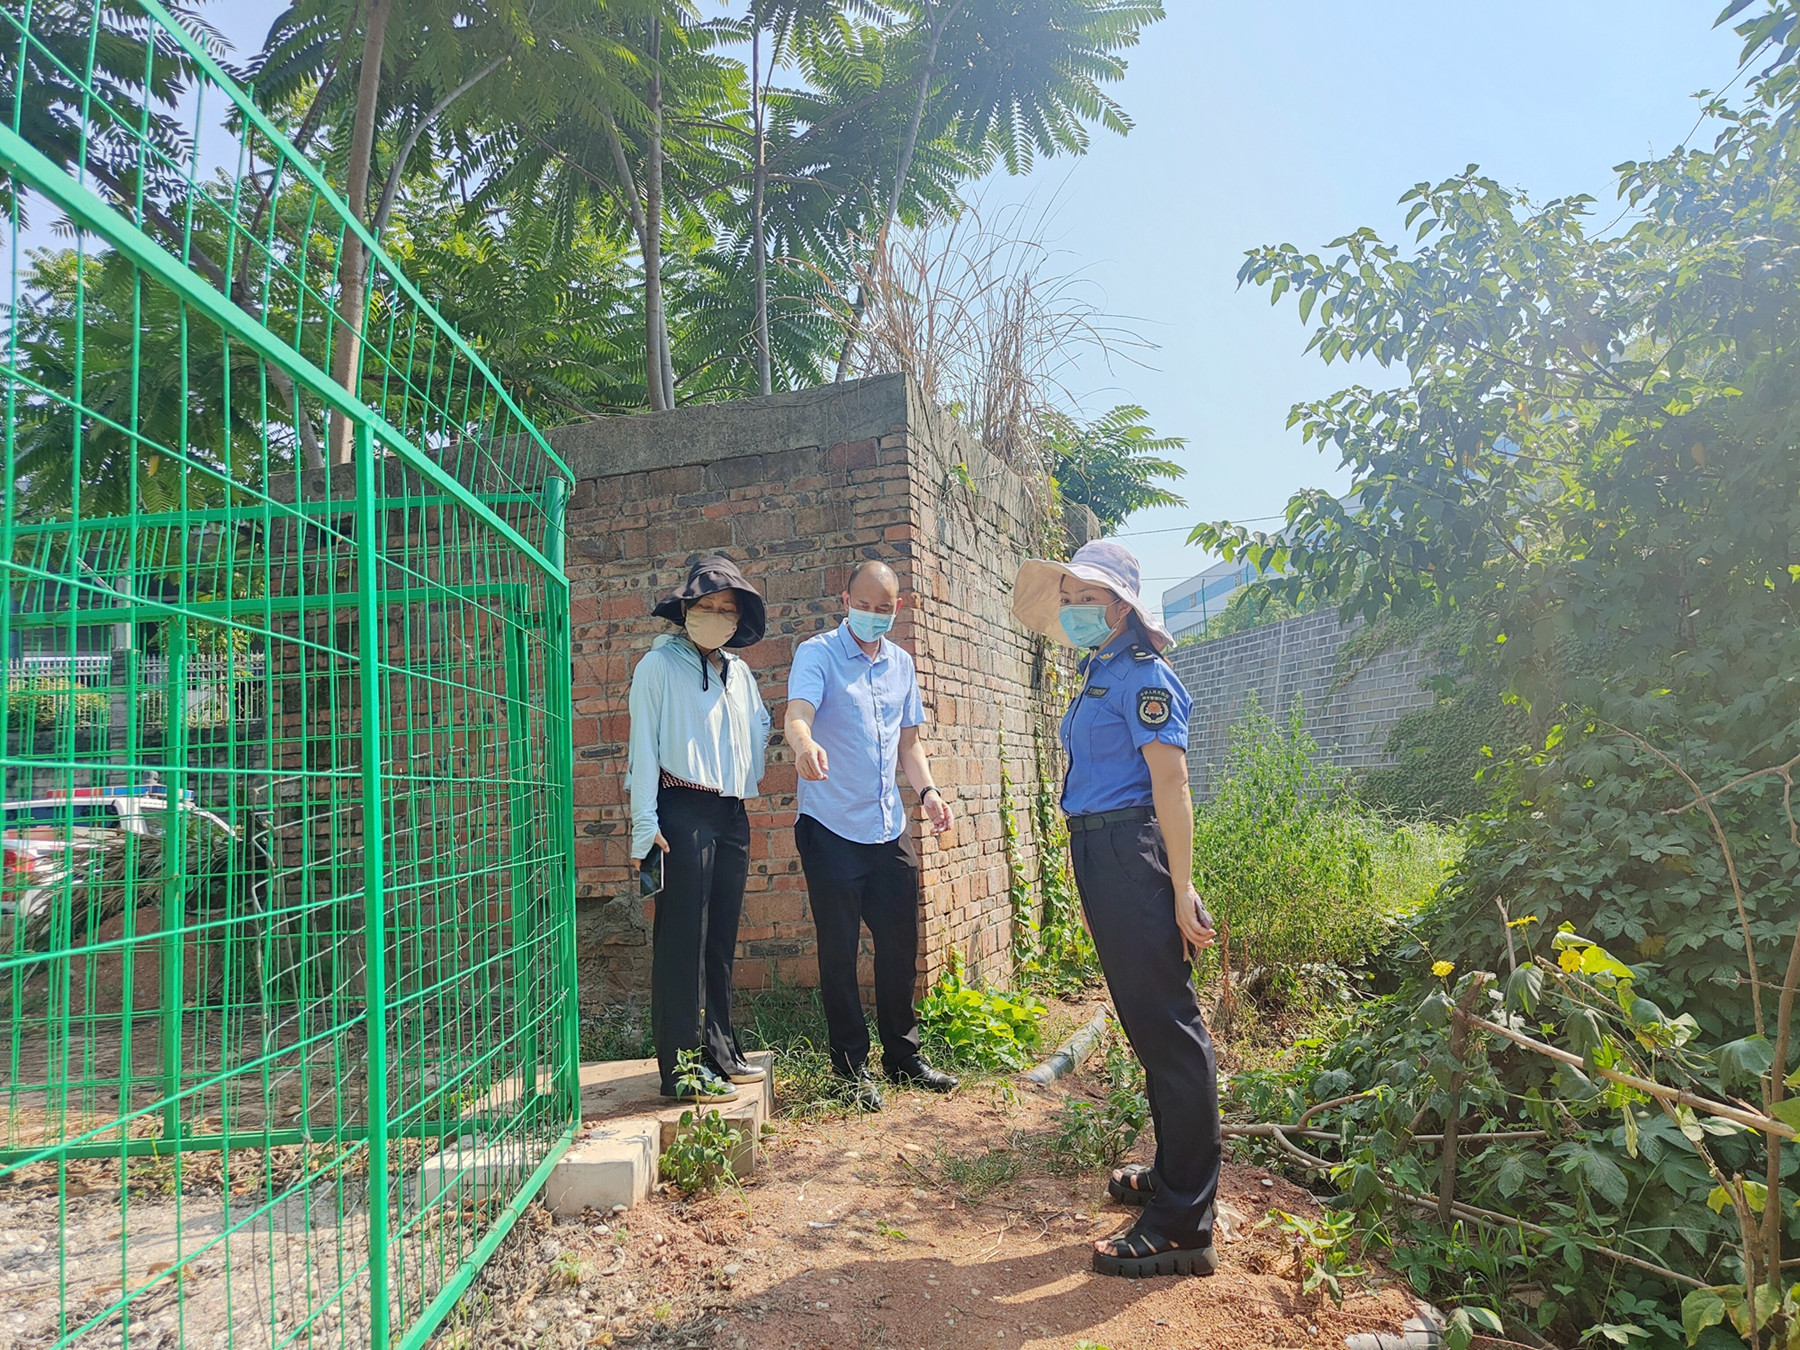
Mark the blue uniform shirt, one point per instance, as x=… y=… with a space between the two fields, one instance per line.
x=864 y=702
x=1128 y=697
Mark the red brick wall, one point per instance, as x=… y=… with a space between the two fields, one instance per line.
x=878 y=480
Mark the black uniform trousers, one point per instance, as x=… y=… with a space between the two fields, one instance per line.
x=1122 y=872
x=851 y=884
x=696 y=926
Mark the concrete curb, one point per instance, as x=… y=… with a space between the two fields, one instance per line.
x=1071 y=1052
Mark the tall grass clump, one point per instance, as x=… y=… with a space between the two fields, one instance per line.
x=1295 y=871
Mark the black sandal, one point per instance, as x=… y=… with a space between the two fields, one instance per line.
x=1126 y=1188
x=1143 y=1252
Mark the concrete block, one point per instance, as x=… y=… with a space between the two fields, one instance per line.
x=611 y=1163
x=626 y=1125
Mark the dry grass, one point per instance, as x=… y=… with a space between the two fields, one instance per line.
x=978 y=312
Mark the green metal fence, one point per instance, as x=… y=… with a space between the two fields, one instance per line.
x=287 y=1020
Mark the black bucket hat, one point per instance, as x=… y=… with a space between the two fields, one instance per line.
x=718 y=573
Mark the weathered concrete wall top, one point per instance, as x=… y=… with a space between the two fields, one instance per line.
x=744 y=432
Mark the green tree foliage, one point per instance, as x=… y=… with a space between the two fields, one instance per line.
x=1589 y=469
x=635 y=122
x=1114 y=464
x=1591 y=464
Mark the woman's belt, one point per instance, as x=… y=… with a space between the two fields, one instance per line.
x=670 y=780
x=1100 y=820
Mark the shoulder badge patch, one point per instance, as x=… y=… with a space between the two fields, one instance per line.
x=1139 y=654
x=1154 y=707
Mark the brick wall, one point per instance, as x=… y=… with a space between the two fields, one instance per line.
x=1298 y=658
x=798 y=488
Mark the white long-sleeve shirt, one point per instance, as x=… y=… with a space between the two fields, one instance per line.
x=715 y=737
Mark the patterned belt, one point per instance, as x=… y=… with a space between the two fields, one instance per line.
x=670 y=780
x=1131 y=815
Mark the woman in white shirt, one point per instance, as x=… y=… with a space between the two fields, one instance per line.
x=699 y=735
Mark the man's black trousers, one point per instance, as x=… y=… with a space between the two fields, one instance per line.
x=1122 y=872
x=852 y=884
x=697 y=926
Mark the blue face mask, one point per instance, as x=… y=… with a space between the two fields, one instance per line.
x=1086 y=625
x=867 y=625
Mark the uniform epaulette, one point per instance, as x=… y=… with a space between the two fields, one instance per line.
x=1144 y=653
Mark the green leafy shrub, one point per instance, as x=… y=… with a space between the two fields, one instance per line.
x=1281 y=856
x=1321 y=1249
x=698 y=1162
x=40 y=702
x=1589 y=1163
x=979 y=1028
x=1094 y=1135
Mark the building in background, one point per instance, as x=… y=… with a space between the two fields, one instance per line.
x=1188 y=607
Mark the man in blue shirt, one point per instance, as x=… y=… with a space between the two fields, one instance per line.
x=853 y=717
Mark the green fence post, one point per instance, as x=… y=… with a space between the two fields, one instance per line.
x=562 y=768
x=174 y=875
x=520 y=892
x=369 y=652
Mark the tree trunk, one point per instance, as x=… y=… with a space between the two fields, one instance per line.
x=392 y=190
x=634 y=207
x=657 y=365
x=937 y=22
x=765 y=382
x=346 y=357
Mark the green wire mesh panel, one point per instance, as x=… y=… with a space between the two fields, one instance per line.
x=287 y=1029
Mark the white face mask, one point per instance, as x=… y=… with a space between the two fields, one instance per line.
x=708 y=630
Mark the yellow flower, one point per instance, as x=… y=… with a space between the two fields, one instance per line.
x=1523 y=921
x=1570 y=959
x=1442 y=968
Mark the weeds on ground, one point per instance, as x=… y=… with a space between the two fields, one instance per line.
x=1095 y=1135
x=977 y=1175
x=1321 y=1250
x=789 y=1021
x=978 y=1028
x=567 y=1269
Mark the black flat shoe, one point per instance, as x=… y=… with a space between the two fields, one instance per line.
x=1134 y=1185
x=922 y=1075
x=863 y=1092
x=1142 y=1253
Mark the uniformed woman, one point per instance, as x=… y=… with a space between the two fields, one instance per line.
x=1131 y=840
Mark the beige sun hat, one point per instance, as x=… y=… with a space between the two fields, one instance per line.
x=1037 y=594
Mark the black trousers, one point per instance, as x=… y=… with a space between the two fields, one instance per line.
x=1122 y=872
x=851 y=884
x=697 y=926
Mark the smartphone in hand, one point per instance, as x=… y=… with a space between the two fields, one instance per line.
x=650 y=875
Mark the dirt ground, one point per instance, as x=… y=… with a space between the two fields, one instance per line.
x=851 y=1235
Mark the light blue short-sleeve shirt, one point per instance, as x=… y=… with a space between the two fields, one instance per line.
x=864 y=703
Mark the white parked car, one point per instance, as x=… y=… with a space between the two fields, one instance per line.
x=68 y=859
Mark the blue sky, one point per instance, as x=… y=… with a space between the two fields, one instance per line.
x=1295 y=122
